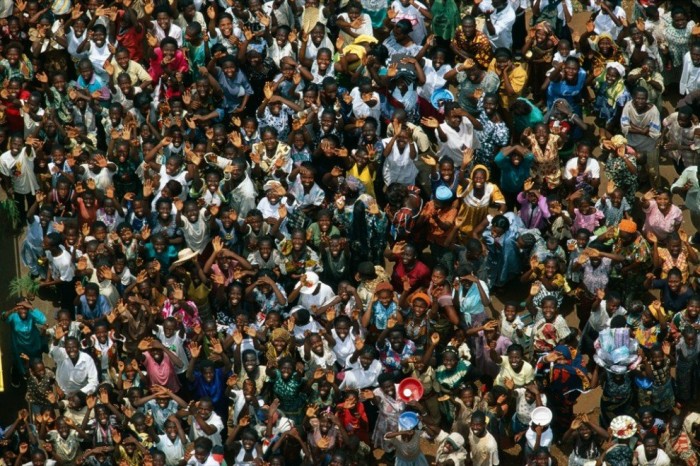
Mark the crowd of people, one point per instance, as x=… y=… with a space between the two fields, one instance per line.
x=320 y=233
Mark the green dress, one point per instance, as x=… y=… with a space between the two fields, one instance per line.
x=445 y=18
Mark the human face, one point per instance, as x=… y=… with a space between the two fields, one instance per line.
x=680 y=21
x=287 y=369
x=270 y=141
x=663 y=202
x=447 y=172
x=385 y=297
x=450 y=361
x=571 y=70
x=515 y=359
x=388 y=388
x=549 y=310
x=640 y=101
x=479 y=179
x=478 y=427
x=72 y=349
x=651 y=447
x=674 y=283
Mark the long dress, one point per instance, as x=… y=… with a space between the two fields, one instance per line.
x=546 y=169
x=387 y=420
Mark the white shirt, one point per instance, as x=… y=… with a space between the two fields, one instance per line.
x=174 y=451
x=20 y=170
x=175 y=32
x=600 y=319
x=343 y=349
x=434 y=79
x=361 y=109
x=209 y=462
x=323 y=296
x=196 y=431
x=503 y=25
x=545 y=440
x=411 y=13
x=690 y=76
x=483 y=451
x=592 y=167
x=661 y=459
x=176 y=344
x=359 y=378
x=62 y=266
x=81 y=376
x=603 y=23
x=457 y=140
x=523 y=409
x=398 y=165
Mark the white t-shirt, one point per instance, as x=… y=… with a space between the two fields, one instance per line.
x=175 y=32
x=174 y=451
x=545 y=440
x=603 y=23
x=484 y=450
x=457 y=140
x=503 y=25
x=359 y=378
x=600 y=319
x=21 y=170
x=214 y=420
x=411 y=13
x=661 y=459
x=592 y=167
x=62 y=266
x=343 y=349
x=176 y=344
x=323 y=296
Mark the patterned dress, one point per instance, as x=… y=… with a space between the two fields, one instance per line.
x=546 y=168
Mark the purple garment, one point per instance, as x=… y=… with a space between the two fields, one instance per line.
x=533 y=216
x=482 y=357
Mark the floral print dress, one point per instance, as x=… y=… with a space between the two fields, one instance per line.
x=492 y=137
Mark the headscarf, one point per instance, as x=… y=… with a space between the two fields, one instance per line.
x=480 y=167
x=568 y=378
x=618 y=140
x=616 y=89
x=278 y=334
x=628 y=226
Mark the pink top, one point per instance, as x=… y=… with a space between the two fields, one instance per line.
x=161 y=374
x=659 y=224
x=156 y=67
x=590 y=222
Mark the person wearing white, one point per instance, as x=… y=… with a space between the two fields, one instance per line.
x=17 y=164
x=499 y=23
x=75 y=370
x=357 y=377
x=398 y=165
x=174 y=450
x=203 y=418
x=434 y=78
x=592 y=168
x=600 y=317
x=414 y=13
x=604 y=23
x=455 y=140
x=649 y=454
x=690 y=76
x=362 y=109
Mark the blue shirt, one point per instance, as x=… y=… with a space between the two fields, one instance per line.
x=102 y=308
x=512 y=177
